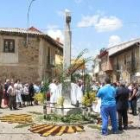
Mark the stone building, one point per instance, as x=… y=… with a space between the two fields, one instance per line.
x=27 y=54
x=126 y=62
x=121 y=62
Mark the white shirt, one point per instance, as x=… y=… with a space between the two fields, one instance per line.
x=11 y=91
x=26 y=90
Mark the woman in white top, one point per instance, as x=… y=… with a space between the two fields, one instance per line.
x=80 y=91
x=12 y=96
x=26 y=93
x=18 y=91
x=53 y=96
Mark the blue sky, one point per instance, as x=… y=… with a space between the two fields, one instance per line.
x=95 y=23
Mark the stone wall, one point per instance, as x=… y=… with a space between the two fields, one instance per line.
x=25 y=73
x=28 y=54
x=26 y=64
x=29 y=62
x=122 y=59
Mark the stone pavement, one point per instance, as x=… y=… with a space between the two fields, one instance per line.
x=8 y=132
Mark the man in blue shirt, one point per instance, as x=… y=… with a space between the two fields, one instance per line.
x=108 y=106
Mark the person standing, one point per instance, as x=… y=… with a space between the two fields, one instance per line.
x=37 y=90
x=17 y=88
x=133 y=99
x=6 y=96
x=1 y=93
x=52 y=89
x=138 y=103
x=12 y=97
x=31 y=93
x=108 y=107
x=80 y=90
x=122 y=95
x=26 y=94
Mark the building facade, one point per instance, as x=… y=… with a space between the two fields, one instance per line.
x=121 y=62
x=27 y=54
x=126 y=64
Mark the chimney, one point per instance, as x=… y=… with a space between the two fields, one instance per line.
x=58 y=39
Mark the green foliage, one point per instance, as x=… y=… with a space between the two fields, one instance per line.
x=64 y=73
x=88 y=98
x=87 y=79
x=45 y=87
x=75 y=77
x=73 y=118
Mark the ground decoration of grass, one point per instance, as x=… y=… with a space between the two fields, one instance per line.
x=53 y=124
x=17 y=118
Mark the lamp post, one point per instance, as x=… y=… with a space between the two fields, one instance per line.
x=28 y=18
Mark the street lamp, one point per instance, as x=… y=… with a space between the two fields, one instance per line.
x=28 y=18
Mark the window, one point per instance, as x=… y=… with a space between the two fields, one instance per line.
x=125 y=59
x=9 y=46
x=49 y=55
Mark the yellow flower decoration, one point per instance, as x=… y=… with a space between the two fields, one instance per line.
x=39 y=97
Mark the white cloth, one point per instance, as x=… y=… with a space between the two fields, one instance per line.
x=58 y=91
x=74 y=88
x=79 y=94
x=96 y=108
x=26 y=90
x=18 y=89
x=53 y=92
x=11 y=91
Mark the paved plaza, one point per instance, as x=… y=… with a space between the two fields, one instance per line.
x=8 y=132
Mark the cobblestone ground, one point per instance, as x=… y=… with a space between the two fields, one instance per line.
x=8 y=132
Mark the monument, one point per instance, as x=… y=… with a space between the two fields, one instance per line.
x=66 y=87
x=68 y=90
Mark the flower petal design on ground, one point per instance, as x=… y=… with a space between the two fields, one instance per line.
x=17 y=118
x=55 y=130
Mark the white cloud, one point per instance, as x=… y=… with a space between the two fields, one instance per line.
x=55 y=33
x=114 y=40
x=88 y=21
x=108 y=24
x=101 y=23
x=52 y=27
x=60 y=13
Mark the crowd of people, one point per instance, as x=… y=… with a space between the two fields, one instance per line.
x=117 y=100
x=17 y=94
x=77 y=90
